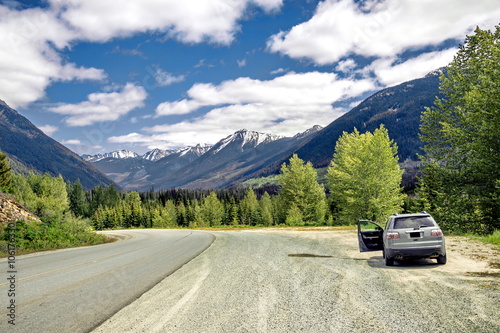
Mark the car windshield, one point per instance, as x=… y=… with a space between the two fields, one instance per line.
x=413 y=222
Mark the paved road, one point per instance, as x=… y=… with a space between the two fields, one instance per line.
x=308 y=281
x=77 y=289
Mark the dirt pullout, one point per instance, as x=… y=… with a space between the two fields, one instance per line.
x=317 y=281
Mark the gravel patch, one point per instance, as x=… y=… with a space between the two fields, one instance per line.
x=317 y=281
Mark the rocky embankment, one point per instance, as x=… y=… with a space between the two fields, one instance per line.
x=11 y=211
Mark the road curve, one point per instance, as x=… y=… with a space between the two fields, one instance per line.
x=75 y=290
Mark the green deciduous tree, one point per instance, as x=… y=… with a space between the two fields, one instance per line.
x=365 y=176
x=300 y=189
x=48 y=196
x=462 y=137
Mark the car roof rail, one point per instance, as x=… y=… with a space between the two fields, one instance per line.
x=423 y=212
x=395 y=214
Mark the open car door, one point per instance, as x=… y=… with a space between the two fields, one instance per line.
x=370 y=236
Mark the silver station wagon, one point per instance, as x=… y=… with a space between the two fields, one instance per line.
x=406 y=236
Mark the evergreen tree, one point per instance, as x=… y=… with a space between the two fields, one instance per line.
x=365 y=176
x=231 y=216
x=212 y=210
x=97 y=198
x=267 y=210
x=113 y=197
x=5 y=174
x=462 y=136
x=300 y=189
x=76 y=197
x=98 y=218
x=250 y=209
x=182 y=219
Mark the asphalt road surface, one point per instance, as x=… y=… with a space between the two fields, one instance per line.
x=75 y=290
x=317 y=281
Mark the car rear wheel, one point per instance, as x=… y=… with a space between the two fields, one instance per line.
x=441 y=259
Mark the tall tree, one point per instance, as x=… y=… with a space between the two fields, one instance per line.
x=76 y=197
x=267 y=210
x=462 y=135
x=5 y=174
x=212 y=210
x=365 y=176
x=301 y=190
x=250 y=209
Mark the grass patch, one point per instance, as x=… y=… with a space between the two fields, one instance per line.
x=258 y=182
x=493 y=238
x=34 y=236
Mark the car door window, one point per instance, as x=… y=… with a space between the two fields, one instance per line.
x=369 y=236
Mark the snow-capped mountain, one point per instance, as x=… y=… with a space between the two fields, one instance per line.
x=118 y=154
x=306 y=133
x=152 y=155
x=233 y=159
x=197 y=150
x=157 y=154
x=246 y=139
x=200 y=166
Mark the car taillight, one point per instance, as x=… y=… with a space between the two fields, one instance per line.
x=436 y=232
x=392 y=235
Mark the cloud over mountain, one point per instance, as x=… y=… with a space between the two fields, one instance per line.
x=381 y=28
x=103 y=106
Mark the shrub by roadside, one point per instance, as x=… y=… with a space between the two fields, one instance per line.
x=32 y=237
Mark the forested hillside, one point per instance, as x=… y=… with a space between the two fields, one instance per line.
x=31 y=150
x=399 y=108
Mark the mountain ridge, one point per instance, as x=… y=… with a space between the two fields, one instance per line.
x=398 y=107
x=191 y=167
x=32 y=150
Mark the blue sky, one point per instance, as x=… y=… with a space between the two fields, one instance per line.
x=101 y=75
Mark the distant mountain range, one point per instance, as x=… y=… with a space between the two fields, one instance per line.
x=29 y=149
x=199 y=167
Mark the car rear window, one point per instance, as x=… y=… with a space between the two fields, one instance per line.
x=413 y=222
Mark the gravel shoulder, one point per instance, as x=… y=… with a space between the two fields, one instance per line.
x=272 y=280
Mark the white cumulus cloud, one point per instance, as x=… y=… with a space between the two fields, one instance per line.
x=103 y=106
x=32 y=39
x=285 y=105
x=48 y=129
x=339 y=28
x=29 y=60
x=192 y=21
x=389 y=73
